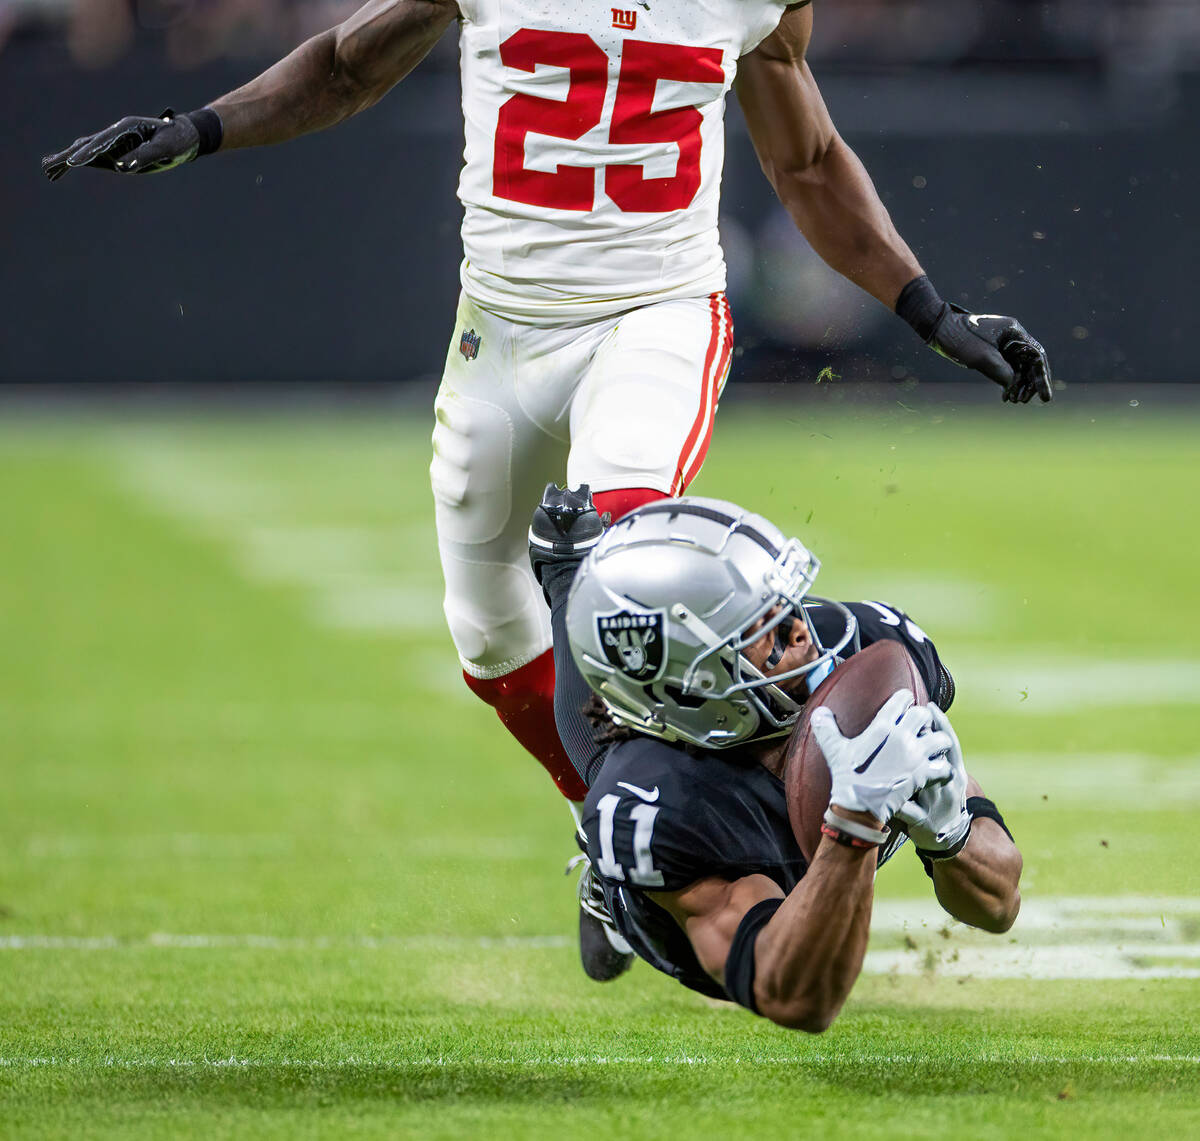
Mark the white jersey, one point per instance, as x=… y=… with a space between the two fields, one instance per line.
x=594 y=146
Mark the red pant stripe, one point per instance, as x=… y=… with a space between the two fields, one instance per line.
x=714 y=340
x=695 y=448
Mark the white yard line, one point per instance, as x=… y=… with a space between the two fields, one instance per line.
x=382 y=606
x=949 y=605
x=1118 y=915
x=265 y=845
x=163 y=940
x=1064 y=937
x=1123 y=937
x=800 y=1060
x=1082 y=961
x=1041 y=681
x=1058 y=781
x=367 y=579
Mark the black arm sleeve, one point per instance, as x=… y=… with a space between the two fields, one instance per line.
x=739 y=965
x=571 y=692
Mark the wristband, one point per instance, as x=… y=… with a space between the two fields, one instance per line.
x=981 y=808
x=845 y=839
x=208 y=126
x=920 y=305
x=850 y=833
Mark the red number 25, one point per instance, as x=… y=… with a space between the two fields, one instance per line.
x=643 y=64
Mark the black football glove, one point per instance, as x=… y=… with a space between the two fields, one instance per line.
x=999 y=347
x=138 y=145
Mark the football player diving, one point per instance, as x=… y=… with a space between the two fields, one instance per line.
x=686 y=644
x=593 y=337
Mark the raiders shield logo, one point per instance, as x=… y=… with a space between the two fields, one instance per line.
x=634 y=641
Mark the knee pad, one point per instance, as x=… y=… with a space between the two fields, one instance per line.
x=501 y=636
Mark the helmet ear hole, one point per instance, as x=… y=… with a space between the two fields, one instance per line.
x=686 y=700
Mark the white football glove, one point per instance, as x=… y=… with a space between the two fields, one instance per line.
x=883 y=766
x=936 y=817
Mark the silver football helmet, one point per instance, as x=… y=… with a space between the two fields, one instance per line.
x=663 y=607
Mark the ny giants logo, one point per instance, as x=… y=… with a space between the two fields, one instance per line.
x=626 y=21
x=634 y=642
x=469 y=345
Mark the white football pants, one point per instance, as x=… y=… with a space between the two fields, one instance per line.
x=622 y=402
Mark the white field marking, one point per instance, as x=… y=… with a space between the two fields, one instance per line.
x=157 y=846
x=381 y=606
x=947 y=604
x=337 y=719
x=162 y=940
x=366 y=579
x=799 y=1060
x=1165 y=920
x=1042 y=681
x=280 y=553
x=1085 y=961
x=1058 y=780
x=264 y=845
x=193 y=488
x=1120 y=937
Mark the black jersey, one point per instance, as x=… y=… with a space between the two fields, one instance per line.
x=659 y=817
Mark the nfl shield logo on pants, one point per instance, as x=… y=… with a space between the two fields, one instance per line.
x=469 y=345
x=634 y=642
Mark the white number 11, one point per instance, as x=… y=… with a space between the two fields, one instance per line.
x=643 y=873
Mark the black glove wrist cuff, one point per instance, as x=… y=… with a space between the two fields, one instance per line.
x=978 y=808
x=208 y=125
x=920 y=305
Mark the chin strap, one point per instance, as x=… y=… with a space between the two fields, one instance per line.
x=782 y=633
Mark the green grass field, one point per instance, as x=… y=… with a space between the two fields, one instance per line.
x=267 y=870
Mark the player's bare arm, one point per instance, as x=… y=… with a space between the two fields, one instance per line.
x=960 y=834
x=808 y=956
x=980 y=885
x=336 y=74
x=326 y=79
x=818 y=178
x=829 y=195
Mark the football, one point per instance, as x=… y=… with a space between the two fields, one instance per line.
x=854 y=692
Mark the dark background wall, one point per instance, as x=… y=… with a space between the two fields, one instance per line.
x=1045 y=190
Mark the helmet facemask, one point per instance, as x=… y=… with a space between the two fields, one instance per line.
x=785 y=586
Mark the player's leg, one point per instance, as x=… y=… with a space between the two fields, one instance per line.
x=643 y=417
x=495 y=446
x=623 y=500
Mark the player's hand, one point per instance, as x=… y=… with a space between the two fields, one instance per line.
x=134 y=145
x=880 y=769
x=936 y=817
x=999 y=347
